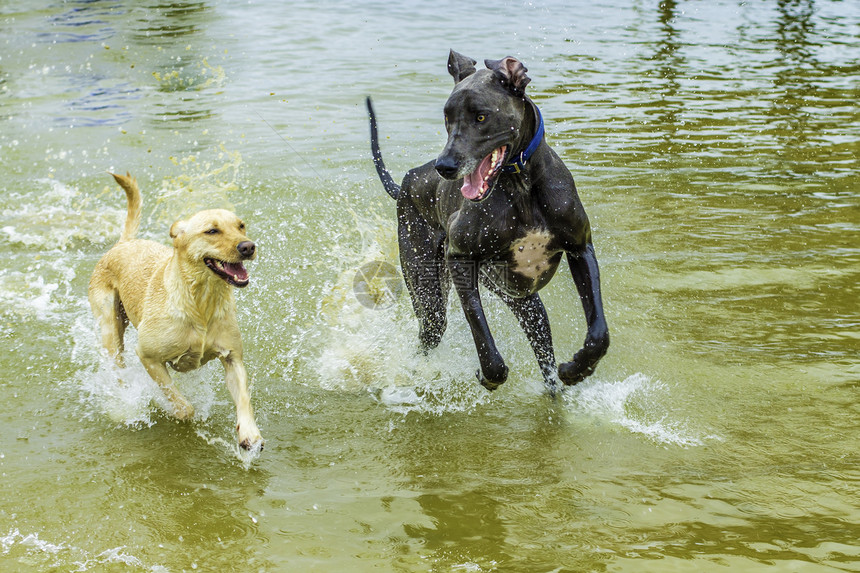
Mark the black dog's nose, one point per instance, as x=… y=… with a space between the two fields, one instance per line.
x=447 y=167
x=246 y=249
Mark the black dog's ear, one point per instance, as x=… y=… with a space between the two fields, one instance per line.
x=460 y=66
x=512 y=73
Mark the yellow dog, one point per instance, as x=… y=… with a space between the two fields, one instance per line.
x=180 y=300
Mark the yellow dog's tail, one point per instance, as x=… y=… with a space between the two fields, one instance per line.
x=132 y=193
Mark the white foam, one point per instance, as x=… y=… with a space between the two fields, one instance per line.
x=379 y=354
x=129 y=396
x=108 y=556
x=245 y=457
x=27 y=296
x=638 y=403
x=66 y=557
x=56 y=218
x=31 y=540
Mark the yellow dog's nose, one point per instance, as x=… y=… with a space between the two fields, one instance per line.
x=246 y=249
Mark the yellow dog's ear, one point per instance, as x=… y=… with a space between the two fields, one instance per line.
x=177 y=229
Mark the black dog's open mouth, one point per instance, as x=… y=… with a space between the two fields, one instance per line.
x=234 y=273
x=477 y=185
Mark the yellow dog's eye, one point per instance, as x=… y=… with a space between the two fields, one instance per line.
x=212 y=232
x=481 y=117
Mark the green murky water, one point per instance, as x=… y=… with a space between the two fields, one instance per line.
x=715 y=145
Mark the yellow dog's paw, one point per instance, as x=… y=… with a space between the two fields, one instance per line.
x=250 y=440
x=252 y=444
x=183 y=411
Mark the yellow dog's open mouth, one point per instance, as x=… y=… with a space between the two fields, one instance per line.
x=234 y=273
x=478 y=184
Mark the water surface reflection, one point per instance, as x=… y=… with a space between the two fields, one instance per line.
x=715 y=147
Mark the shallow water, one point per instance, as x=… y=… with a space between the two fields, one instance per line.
x=715 y=146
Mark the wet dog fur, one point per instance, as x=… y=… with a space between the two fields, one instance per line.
x=497 y=208
x=180 y=300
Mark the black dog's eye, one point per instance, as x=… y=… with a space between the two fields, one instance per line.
x=480 y=118
x=212 y=232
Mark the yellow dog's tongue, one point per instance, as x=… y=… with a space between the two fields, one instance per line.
x=473 y=183
x=237 y=270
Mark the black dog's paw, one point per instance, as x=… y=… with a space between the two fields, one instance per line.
x=581 y=367
x=585 y=361
x=491 y=384
x=574 y=372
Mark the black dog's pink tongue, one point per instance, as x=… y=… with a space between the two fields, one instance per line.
x=473 y=183
x=237 y=270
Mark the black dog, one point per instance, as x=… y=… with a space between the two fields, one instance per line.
x=498 y=207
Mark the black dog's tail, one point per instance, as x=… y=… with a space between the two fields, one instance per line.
x=391 y=187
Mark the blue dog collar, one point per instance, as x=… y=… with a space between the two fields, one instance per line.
x=525 y=155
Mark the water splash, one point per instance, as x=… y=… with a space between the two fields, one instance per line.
x=203 y=183
x=26 y=296
x=639 y=403
x=200 y=76
x=376 y=349
x=31 y=549
x=129 y=396
x=246 y=458
x=59 y=218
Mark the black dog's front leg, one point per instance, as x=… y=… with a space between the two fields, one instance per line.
x=531 y=314
x=586 y=276
x=464 y=275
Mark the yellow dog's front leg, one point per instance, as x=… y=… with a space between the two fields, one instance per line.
x=182 y=408
x=237 y=384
